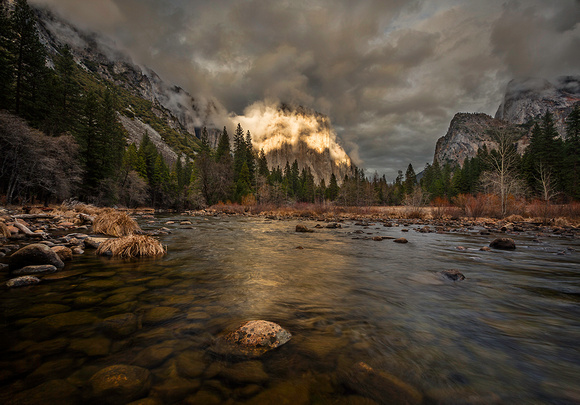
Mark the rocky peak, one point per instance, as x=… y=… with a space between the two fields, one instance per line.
x=528 y=99
x=466 y=134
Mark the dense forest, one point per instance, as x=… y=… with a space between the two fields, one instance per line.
x=60 y=138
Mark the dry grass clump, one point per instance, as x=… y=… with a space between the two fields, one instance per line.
x=115 y=223
x=131 y=246
x=4 y=231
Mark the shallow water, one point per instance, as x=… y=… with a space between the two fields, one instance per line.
x=509 y=333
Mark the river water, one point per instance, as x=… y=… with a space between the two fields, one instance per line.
x=509 y=333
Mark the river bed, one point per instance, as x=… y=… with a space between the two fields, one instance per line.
x=509 y=333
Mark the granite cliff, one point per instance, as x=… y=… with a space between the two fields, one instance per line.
x=524 y=103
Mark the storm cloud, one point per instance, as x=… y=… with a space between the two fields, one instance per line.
x=389 y=73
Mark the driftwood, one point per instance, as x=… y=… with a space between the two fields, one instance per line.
x=33 y=216
x=24 y=229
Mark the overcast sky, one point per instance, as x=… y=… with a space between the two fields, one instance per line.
x=390 y=73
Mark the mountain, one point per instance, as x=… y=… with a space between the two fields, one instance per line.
x=173 y=118
x=525 y=101
x=168 y=113
x=287 y=133
x=466 y=134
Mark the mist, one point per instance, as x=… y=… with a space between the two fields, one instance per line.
x=390 y=75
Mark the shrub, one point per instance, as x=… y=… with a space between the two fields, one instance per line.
x=115 y=223
x=131 y=246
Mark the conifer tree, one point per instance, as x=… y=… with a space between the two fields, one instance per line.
x=333 y=189
x=250 y=157
x=263 y=164
x=223 y=147
x=7 y=37
x=410 y=179
x=30 y=57
x=239 y=151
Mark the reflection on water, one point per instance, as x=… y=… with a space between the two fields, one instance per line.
x=507 y=334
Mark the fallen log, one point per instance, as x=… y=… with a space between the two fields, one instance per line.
x=24 y=229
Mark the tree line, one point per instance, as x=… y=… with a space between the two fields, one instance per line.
x=60 y=137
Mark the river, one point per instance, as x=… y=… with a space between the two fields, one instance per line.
x=509 y=333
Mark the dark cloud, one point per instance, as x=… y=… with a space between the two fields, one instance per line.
x=389 y=73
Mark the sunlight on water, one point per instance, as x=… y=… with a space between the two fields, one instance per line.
x=508 y=334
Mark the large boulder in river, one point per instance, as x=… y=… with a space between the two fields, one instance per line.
x=63 y=252
x=252 y=339
x=120 y=384
x=503 y=244
x=35 y=254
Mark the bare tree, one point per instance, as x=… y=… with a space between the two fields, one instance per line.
x=502 y=178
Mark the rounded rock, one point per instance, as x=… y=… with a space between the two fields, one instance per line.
x=120 y=384
x=503 y=244
x=34 y=254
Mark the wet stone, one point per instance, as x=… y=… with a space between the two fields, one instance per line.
x=103 y=284
x=86 y=301
x=197 y=316
x=205 y=397
x=130 y=290
x=288 y=392
x=259 y=336
x=190 y=364
x=162 y=282
x=48 y=347
x=36 y=270
x=42 y=310
x=98 y=346
x=452 y=275
x=50 y=370
x=63 y=252
x=22 y=281
x=51 y=392
x=62 y=275
x=153 y=356
x=120 y=384
x=400 y=240
x=379 y=385
x=247 y=372
x=118 y=299
x=48 y=326
x=175 y=389
x=35 y=254
x=503 y=244
x=160 y=314
x=120 y=325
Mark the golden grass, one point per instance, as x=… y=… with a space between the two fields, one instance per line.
x=132 y=246
x=4 y=230
x=115 y=223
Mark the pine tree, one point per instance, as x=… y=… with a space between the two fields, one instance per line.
x=410 y=180
x=30 y=68
x=250 y=157
x=205 y=147
x=263 y=164
x=333 y=189
x=223 y=147
x=572 y=154
x=7 y=37
x=65 y=94
x=239 y=151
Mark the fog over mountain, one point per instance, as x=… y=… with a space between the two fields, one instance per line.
x=390 y=74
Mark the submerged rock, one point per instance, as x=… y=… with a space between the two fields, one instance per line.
x=453 y=275
x=120 y=384
x=401 y=240
x=38 y=269
x=22 y=281
x=34 y=254
x=120 y=325
x=303 y=229
x=380 y=386
x=503 y=244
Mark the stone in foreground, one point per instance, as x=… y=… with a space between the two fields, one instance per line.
x=252 y=339
x=503 y=244
x=22 y=281
x=120 y=384
x=34 y=254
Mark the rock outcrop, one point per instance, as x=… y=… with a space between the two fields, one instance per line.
x=525 y=101
x=530 y=98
